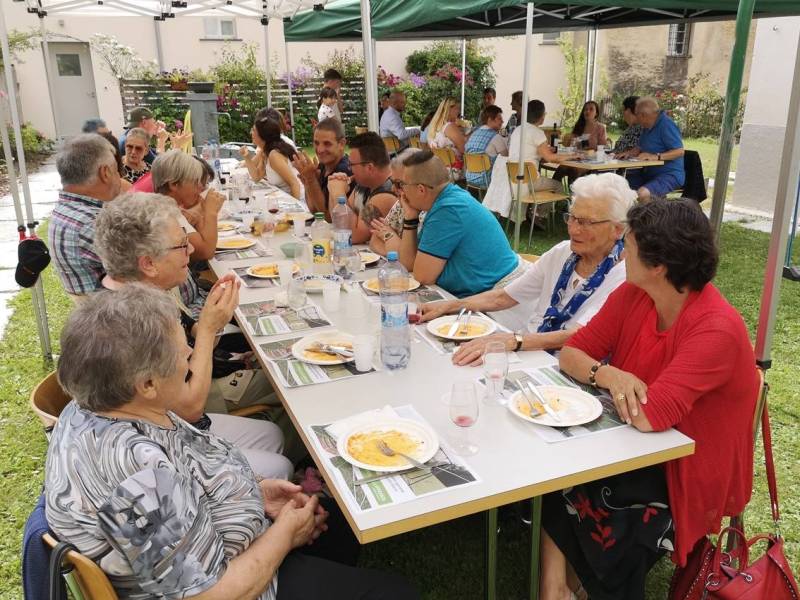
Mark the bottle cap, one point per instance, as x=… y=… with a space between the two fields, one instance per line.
x=341 y=200
x=319 y=216
x=392 y=255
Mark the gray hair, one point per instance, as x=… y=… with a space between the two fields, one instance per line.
x=610 y=187
x=176 y=167
x=132 y=226
x=140 y=133
x=648 y=104
x=81 y=158
x=397 y=161
x=114 y=340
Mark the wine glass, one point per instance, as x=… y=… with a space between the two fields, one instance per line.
x=495 y=370
x=464 y=413
x=269 y=230
x=272 y=205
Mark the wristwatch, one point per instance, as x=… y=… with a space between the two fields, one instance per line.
x=658 y=156
x=518 y=339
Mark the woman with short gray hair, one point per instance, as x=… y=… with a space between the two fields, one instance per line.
x=140 y=240
x=165 y=509
x=569 y=283
x=182 y=177
x=137 y=144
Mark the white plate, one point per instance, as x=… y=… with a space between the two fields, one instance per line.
x=313 y=284
x=433 y=327
x=326 y=337
x=245 y=213
x=235 y=243
x=373 y=286
x=250 y=271
x=429 y=442
x=369 y=258
x=227 y=227
x=577 y=407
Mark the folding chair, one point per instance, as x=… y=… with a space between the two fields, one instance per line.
x=392 y=145
x=448 y=157
x=413 y=142
x=531 y=258
x=528 y=195
x=478 y=163
x=86 y=580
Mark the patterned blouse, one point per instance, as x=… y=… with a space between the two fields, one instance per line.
x=162 y=511
x=629 y=139
x=133 y=175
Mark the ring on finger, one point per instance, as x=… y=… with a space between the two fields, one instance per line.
x=621 y=397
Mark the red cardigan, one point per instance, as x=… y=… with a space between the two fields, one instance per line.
x=702 y=380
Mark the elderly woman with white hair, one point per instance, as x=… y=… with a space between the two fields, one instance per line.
x=182 y=177
x=141 y=240
x=167 y=510
x=137 y=145
x=568 y=285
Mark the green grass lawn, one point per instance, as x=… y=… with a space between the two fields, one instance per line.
x=445 y=561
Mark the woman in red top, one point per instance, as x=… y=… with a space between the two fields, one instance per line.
x=671 y=352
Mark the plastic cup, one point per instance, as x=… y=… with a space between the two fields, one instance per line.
x=299 y=227
x=364 y=351
x=331 y=296
x=285 y=273
x=247 y=221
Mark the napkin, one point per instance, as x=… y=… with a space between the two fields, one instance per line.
x=342 y=426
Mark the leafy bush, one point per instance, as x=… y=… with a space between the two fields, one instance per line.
x=572 y=96
x=33 y=142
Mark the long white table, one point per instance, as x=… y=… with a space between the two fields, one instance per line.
x=513 y=462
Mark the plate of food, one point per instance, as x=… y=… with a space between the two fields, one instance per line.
x=268 y=270
x=373 y=286
x=235 y=243
x=289 y=217
x=369 y=258
x=227 y=227
x=359 y=446
x=478 y=326
x=314 y=283
x=326 y=348
x=568 y=406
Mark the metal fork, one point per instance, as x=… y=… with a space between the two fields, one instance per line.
x=535 y=412
x=384 y=448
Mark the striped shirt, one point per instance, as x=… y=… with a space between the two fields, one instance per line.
x=71 y=233
x=484 y=140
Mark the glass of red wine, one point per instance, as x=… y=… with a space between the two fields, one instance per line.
x=463 y=407
x=414 y=308
x=272 y=205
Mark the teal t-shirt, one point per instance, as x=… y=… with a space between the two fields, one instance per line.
x=463 y=232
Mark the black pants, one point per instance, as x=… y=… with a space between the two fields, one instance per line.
x=326 y=570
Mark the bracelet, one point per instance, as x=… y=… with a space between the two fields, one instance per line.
x=593 y=372
x=409 y=227
x=413 y=222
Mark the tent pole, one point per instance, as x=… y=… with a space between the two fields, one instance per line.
x=523 y=122
x=289 y=85
x=268 y=71
x=159 y=45
x=37 y=296
x=590 y=49
x=463 y=74
x=593 y=90
x=744 y=17
x=48 y=73
x=784 y=203
x=370 y=70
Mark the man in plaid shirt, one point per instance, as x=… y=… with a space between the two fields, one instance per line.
x=89 y=177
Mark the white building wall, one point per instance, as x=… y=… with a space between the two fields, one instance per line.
x=764 y=125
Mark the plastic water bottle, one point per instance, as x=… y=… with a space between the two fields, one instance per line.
x=215 y=161
x=341 y=216
x=395 y=334
x=321 y=245
x=205 y=154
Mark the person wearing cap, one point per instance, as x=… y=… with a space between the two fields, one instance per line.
x=89 y=177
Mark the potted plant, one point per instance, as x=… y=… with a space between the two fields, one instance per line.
x=200 y=82
x=177 y=79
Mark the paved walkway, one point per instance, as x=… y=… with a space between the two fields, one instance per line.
x=44 y=191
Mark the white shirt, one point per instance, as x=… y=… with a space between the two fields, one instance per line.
x=392 y=125
x=326 y=112
x=535 y=287
x=534 y=137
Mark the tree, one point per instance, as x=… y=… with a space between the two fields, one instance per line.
x=571 y=97
x=20 y=41
x=122 y=61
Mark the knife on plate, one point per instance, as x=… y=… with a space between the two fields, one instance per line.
x=544 y=402
x=454 y=327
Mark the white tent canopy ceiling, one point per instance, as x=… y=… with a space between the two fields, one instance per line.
x=166 y=9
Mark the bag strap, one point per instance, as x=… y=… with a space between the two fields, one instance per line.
x=57 y=570
x=766 y=433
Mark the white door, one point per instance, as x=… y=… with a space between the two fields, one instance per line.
x=73 y=86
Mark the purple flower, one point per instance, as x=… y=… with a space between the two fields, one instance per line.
x=416 y=80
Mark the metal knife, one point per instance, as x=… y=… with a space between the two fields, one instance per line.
x=544 y=402
x=454 y=327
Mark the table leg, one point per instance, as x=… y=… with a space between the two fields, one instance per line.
x=536 y=524
x=490 y=584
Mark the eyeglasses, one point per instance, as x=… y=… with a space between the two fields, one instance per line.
x=184 y=246
x=570 y=218
x=363 y=162
x=402 y=184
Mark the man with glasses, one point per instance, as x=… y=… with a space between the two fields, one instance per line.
x=373 y=197
x=569 y=284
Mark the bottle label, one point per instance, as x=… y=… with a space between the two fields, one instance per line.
x=322 y=251
x=342 y=238
x=394 y=315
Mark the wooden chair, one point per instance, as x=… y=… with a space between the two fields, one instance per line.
x=360 y=130
x=86 y=581
x=413 y=142
x=392 y=145
x=478 y=163
x=448 y=157
x=48 y=399
x=528 y=195
x=531 y=258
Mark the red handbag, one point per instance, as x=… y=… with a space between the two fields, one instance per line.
x=709 y=572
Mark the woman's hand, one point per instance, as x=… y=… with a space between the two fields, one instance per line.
x=471 y=352
x=191 y=216
x=222 y=300
x=434 y=310
x=213 y=201
x=304 y=521
x=278 y=492
x=180 y=138
x=390 y=239
x=409 y=212
x=627 y=391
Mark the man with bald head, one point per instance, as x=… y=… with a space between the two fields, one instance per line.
x=392 y=122
x=660 y=140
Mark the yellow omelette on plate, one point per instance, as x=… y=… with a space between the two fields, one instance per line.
x=268 y=270
x=552 y=401
x=464 y=331
x=324 y=356
x=364 y=447
x=226 y=227
x=234 y=243
x=374 y=286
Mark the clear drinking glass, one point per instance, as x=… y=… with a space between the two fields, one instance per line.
x=296 y=296
x=353 y=265
x=495 y=370
x=414 y=308
x=464 y=413
x=269 y=230
x=304 y=257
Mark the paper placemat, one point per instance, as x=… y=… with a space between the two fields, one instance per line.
x=266 y=318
